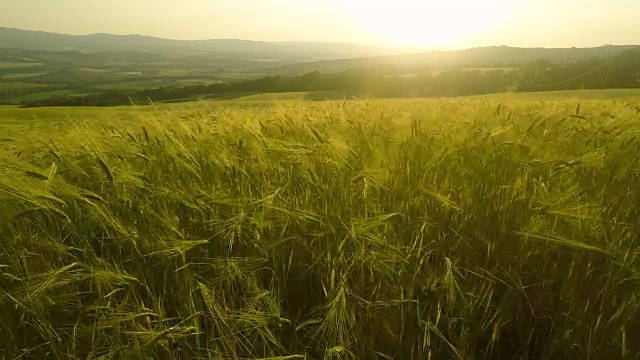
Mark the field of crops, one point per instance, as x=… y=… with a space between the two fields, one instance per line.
x=480 y=228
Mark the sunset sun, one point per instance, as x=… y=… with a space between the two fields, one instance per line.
x=426 y=23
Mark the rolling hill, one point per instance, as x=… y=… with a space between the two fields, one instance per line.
x=39 y=40
x=33 y=62
x=470 y=58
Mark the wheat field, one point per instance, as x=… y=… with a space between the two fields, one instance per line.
x=478 y=228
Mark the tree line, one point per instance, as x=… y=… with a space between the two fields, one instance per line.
x=371 y=82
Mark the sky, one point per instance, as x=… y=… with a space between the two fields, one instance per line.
x=442 y=24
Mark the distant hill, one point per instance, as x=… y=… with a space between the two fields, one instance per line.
x=471 y=58
x=56 y=60
x=38 y=40
x=37 y=65
x=271 y=58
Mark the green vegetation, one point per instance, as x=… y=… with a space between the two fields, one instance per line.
x=112 y=70
x=305 y=95
x=136 y=62
x=481 y=57
x=622 y=71
x=42 y=95
x=497 y=227
x=134 y=85
x=19 y=85
x=12 y=65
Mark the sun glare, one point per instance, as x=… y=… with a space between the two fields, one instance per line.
x=426 y=23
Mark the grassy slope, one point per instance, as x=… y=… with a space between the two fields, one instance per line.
x=40 y=95
x=19 y=85
x=455 y=228
x=305 y=95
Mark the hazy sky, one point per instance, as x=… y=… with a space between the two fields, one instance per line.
x=439 y=24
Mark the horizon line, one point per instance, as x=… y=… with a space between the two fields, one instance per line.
x=275 y=42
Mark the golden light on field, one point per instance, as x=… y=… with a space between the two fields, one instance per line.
x=426 y=22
